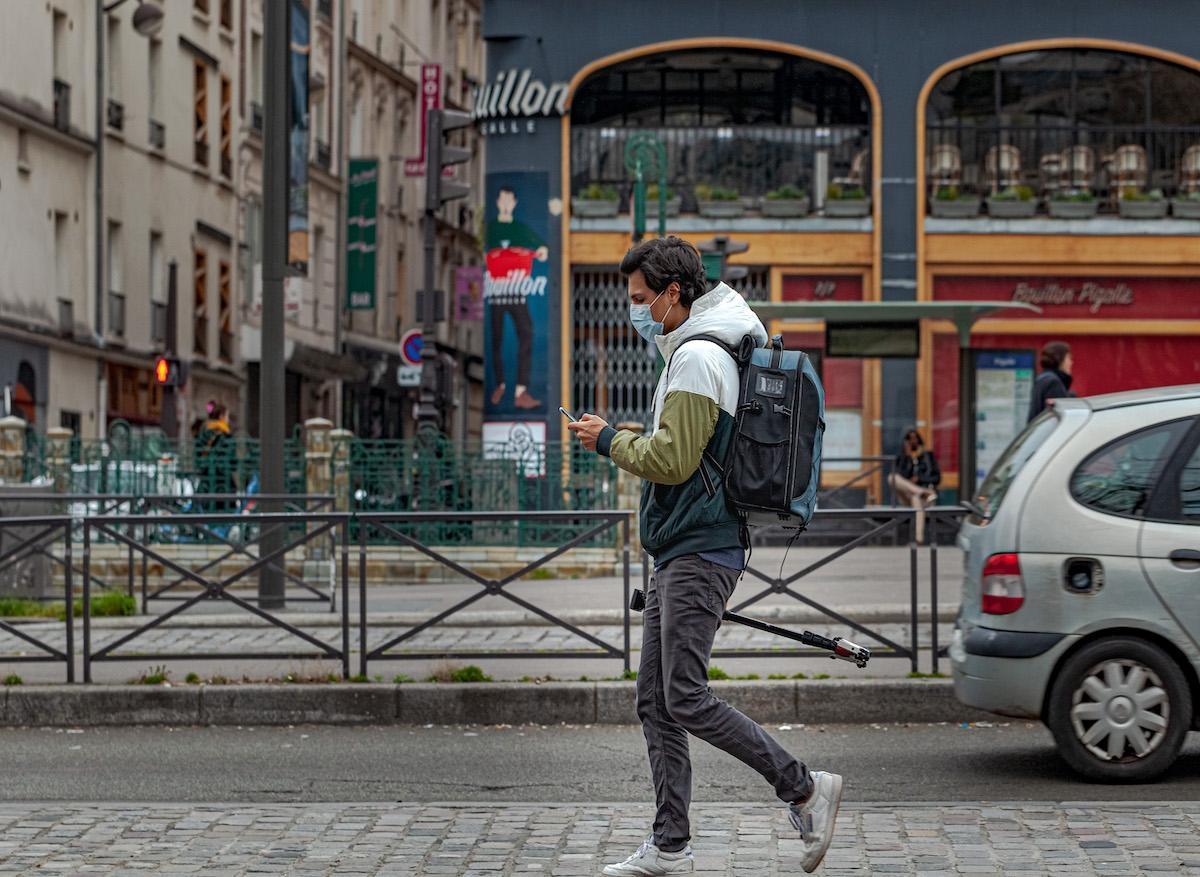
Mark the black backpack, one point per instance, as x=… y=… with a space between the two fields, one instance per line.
x=772 y=471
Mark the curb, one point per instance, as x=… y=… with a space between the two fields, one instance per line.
x=508 y=703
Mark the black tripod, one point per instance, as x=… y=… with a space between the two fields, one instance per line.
x=842 y=649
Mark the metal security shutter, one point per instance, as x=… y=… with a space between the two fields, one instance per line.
x=613 y=371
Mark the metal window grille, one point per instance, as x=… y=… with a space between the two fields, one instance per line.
x=613 y=371
x=116 y=115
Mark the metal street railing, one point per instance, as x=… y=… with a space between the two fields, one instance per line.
x=17 y=547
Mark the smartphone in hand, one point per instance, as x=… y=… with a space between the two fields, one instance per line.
x=567 y=414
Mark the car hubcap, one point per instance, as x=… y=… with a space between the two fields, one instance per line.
x=1120 y=711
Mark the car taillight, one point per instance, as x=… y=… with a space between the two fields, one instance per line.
x=1003 y=590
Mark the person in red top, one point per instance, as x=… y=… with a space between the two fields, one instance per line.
x=512 y=248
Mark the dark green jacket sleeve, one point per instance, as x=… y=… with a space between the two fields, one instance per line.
x=671 y=454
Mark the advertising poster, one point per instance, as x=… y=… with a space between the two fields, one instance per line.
x=299 y=48
x=515 y=295
x=362 y=200
x=1003 y=386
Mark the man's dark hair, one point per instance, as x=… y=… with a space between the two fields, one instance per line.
x=508 y=189
x=662 y=260
x=1054 y=353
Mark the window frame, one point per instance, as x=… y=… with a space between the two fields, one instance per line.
x=1170 y=452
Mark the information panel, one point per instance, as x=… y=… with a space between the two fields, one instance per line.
x=1003 y=385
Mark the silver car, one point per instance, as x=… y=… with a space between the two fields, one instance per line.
x=1081 y=594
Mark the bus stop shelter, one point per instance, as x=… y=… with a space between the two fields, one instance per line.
x=891 y=329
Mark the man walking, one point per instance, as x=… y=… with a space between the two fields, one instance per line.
x=696 y=544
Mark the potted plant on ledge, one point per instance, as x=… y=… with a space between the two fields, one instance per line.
x=1186 y=206
x=846 y=201
x=949 y=202
x=715 y=202
x=673 y=201
x=596 y=201
x=1014 y=202
x=1073 y=204
x=1136 y=204
x=787 y=200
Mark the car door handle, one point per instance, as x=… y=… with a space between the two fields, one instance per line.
x=1186 y=558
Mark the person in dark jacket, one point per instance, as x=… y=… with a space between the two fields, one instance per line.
x=1055 y=380
x=915 y=478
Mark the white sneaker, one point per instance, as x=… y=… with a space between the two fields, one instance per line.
x=650 y=860
x=815 y=818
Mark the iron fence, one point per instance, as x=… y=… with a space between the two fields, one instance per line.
x=338 y=536
x=17 y=548
x=990 y=158
x=751 y=160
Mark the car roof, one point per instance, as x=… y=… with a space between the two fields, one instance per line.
x=1133 y=397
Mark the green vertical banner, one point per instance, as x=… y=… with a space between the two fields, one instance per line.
x=362 y=202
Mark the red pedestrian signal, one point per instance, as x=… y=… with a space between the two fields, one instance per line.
x=166 y=372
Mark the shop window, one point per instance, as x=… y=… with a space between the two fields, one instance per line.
x=200 y=303
x=1066 y=124
x=200 y=113
x=1119 y=478
x=740 y=119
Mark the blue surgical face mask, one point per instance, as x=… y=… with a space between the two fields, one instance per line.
x=643 y=320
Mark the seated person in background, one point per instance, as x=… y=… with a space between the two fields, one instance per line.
x=916 y=478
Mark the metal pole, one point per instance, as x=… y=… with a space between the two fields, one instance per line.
x=343 y=175
x=933 y=586
x=69 y=587
x=362 y=597
x=87 y=603
x=98 y=286
x=912 y=583
x=966 y=423
x=429 y=420
x=346 y=599
x=274 y=266
x=625 y=583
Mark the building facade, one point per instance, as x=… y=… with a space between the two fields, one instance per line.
x=140 y=158
x=399 y=51
x=1041 y=153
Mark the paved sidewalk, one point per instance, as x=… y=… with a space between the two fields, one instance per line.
x=472 y=839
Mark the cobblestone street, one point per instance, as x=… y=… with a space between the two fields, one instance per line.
x=472 y=839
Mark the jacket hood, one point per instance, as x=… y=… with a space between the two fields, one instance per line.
x=721 y=312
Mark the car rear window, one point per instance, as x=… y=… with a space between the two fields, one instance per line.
x=1014 y=458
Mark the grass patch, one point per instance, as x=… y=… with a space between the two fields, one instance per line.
x=218 y=680
x=777 y=676
x=192 y=679
x=541 y=574
x=13 y=679
x=715 y=672
x=799 y=676
x=107 y=605
x=469 y=673
x=360 y=678
x=916 y=674
x=748 y=677
x=154 y=676
x=629 y=674
x=401 y=678
x=822 y=676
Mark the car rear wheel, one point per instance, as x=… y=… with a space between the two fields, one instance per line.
x=1119 y=710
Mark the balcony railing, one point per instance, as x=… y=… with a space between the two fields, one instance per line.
x=116 y=115
x=256 y=117
x=62 y=105
x=201 y=153
x=1059 y=162
x=752 y=160
x=158 y=135
x=324 y=156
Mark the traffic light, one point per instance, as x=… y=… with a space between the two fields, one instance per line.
x=441 y=155
x=168 y=372
x=715 y=253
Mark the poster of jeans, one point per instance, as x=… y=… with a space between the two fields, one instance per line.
x=516 y=286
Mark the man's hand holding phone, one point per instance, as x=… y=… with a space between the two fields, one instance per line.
x=587 y=428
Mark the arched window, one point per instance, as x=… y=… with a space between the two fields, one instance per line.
x=745 y=120
x=1071 y=123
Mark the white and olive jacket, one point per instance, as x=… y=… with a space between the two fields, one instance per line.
x=683 y=509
